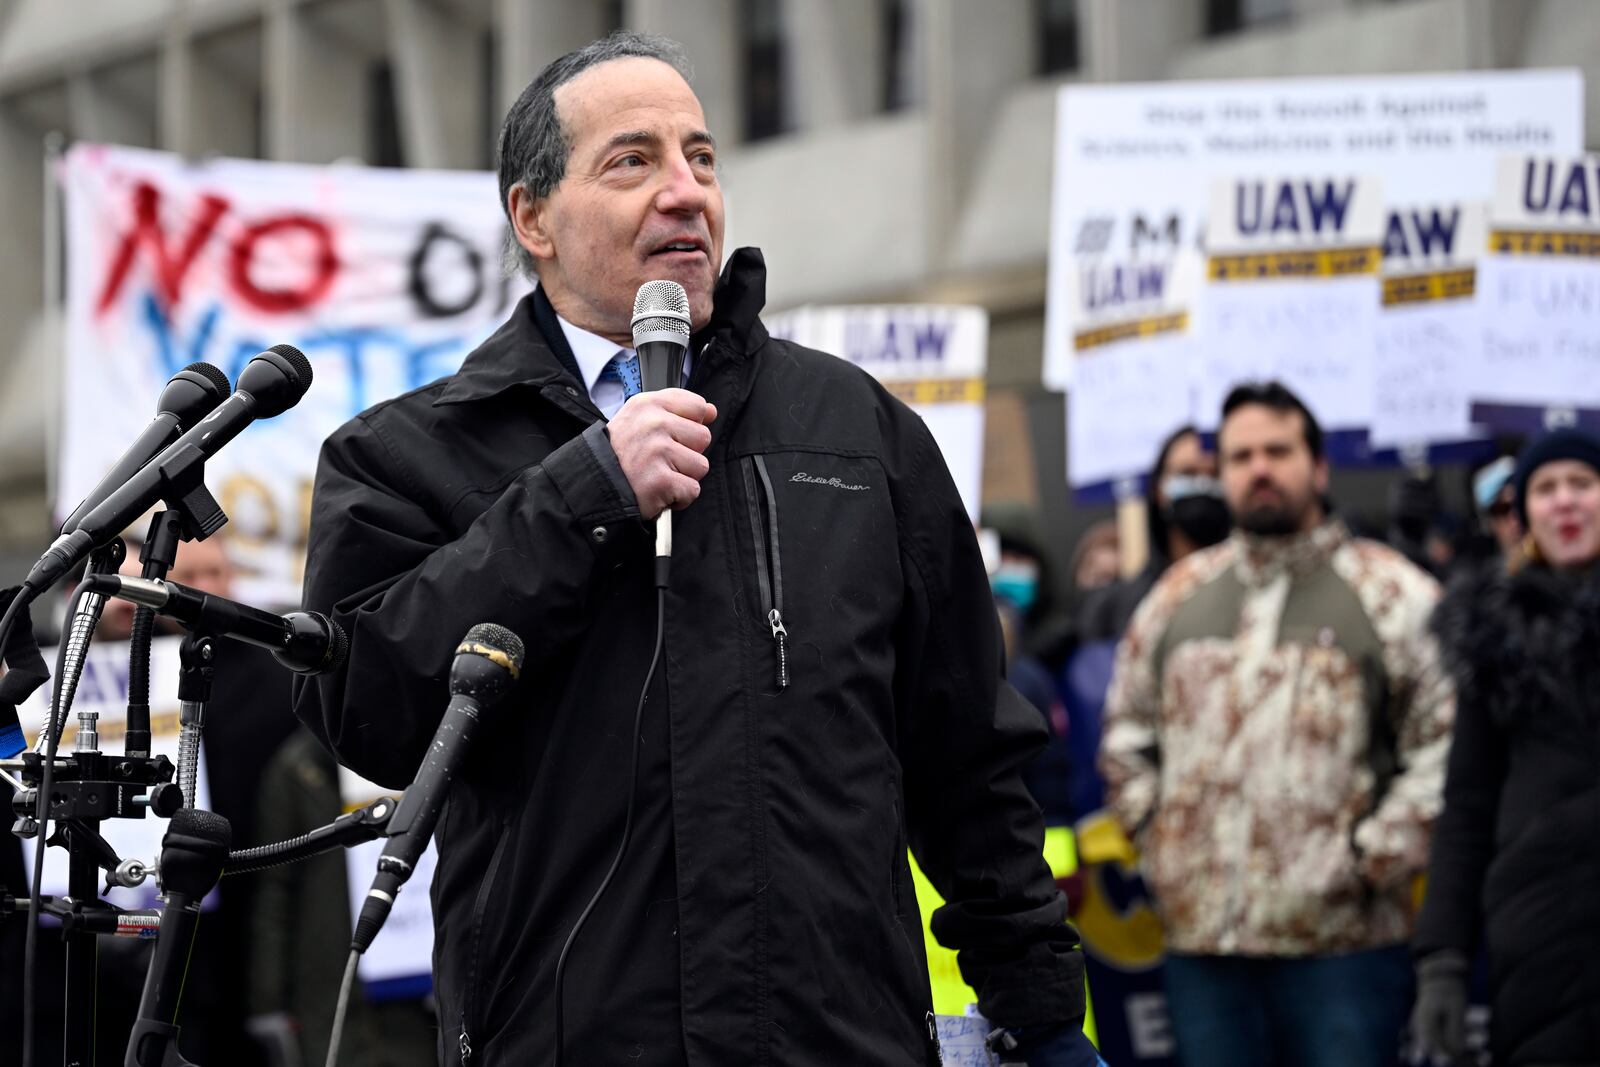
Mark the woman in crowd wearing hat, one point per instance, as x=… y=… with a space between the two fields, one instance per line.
x=1516 y=852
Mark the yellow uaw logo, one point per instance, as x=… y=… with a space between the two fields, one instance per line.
x=1118 y=926
x=1544 y=243
x=1303 y=263
x=1424 y=288
x=1173 y=322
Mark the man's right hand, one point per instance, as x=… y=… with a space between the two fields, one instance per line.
x=660 y=440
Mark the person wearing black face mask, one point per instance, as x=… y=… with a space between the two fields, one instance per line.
x=1185 y=512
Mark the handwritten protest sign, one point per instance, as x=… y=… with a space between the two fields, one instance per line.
x=1135 y=355
x=1292 y=292
x=1426 y=343
x=1540 y=288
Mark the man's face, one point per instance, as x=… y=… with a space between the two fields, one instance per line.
x=1272 y=483
x=639 y=202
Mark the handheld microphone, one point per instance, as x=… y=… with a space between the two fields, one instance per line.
x=189 y=396
x=193 y=852
x=270 y=384
x=306 y=642
x=487 y=663
x=661 y=339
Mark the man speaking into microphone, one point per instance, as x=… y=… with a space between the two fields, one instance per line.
x=829 y=690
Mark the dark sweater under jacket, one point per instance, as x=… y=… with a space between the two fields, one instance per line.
x=1516 y=853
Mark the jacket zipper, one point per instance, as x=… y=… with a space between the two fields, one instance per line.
x=479 y=906
x=769 y=565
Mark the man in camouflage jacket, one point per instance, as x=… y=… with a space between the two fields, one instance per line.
x=1275 y=742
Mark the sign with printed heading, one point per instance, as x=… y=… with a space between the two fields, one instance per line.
x=1426 y=335
x=1539 y=286
x=1134 y=353
x=1292 y=291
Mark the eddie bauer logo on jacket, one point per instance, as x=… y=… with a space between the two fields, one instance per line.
x=812 y=479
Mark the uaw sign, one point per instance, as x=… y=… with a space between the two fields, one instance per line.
x=385 y=279
x=1426 y=343
x=1133 y=163
x=932 y=356
x=1539 y=362
x=1134 y=353
x=1292 y=291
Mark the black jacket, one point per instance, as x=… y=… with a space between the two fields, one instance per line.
x=765 y=913
x=1516 y=852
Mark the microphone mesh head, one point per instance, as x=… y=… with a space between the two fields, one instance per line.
x=490 y=639
x=297 y=362
x=660 y=307
x=218 y=380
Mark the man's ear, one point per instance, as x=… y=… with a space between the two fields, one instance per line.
x=530 y=217
x=1320 y=476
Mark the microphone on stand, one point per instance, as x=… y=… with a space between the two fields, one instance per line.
x=306 y=642
x=270 y=384
x=189 y=396
x=487 y=664
x=193 y=852
x=661 y=339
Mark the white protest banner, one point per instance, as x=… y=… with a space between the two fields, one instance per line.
x=1133 y=162
x=931 y=356
x=1292 y=292
x=401 y=957
x=385 y=279
x=103 y=689
x=1426 y=335
x=1539 y=287
x=1136 y=353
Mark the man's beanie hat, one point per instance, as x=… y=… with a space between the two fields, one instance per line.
x=1566 y=443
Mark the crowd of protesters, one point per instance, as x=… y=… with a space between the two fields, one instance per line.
x=1306 y=732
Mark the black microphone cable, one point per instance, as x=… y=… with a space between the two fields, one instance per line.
x=343 y=1005
x=633 y=789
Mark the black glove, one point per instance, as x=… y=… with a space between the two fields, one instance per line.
x=1439 y=1020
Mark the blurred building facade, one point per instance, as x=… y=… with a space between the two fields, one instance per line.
x=892 y=150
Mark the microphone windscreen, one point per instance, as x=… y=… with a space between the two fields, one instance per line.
x=193 y=851
x=218 y=380
x=491 y=639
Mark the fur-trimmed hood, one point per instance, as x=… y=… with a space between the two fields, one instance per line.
x=1524 y=641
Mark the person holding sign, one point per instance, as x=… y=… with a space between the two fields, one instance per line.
x=1518 y=842
x=829 y=692
x=1274 y=743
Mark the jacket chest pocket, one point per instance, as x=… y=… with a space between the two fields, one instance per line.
x=818 y=533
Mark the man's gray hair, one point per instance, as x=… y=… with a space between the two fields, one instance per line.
x=534 y=147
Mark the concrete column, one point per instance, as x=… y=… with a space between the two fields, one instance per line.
x=1136 y=40
x=963 y=97
x=835 y=61
x=315 y=89
x=531 y=33
x=436 y=78
x=102 y=113
x=709 y=32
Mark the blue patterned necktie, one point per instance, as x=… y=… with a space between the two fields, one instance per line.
x=625 y=369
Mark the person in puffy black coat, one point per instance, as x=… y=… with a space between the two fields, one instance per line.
x=1516 y=853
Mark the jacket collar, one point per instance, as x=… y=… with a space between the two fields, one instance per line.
x=530 y=350
x=1261 y=559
